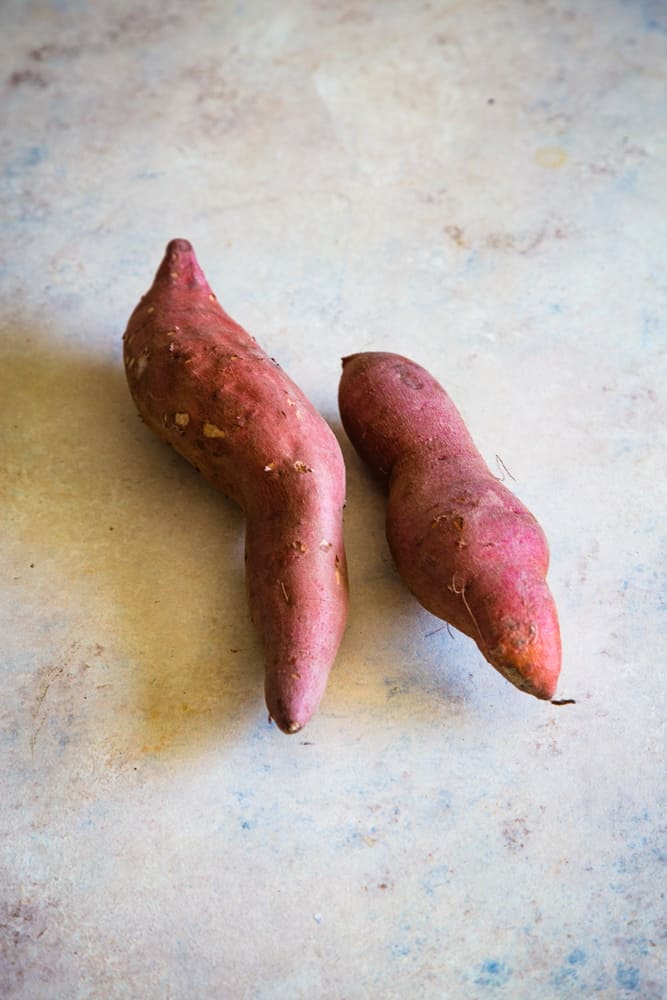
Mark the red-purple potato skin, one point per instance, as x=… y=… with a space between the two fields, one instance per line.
x=204 y=385
x=467 y=548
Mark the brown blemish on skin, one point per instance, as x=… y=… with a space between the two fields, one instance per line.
x=324 y=545
x=497 y=659
x=409 y=378
x=181 y=419
x=300 y=466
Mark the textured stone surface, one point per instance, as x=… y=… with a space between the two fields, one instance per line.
x=480 y=186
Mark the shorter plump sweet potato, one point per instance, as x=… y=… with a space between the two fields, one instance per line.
x=201 y=383
x=469 y=551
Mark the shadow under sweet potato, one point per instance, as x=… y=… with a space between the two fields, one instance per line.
x=124 y=558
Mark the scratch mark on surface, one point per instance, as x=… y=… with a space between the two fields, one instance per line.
x=38 y=715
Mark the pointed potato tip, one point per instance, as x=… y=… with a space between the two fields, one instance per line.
x=180 y=267
x=177 y=246
x=286 y=725
x=543 y=687
x=288 y=718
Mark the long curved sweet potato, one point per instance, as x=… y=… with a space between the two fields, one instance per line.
x=201 y=383
x=469 y=551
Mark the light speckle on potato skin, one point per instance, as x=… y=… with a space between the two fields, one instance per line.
x=213 y=431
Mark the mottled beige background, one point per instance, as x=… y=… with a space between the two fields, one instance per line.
x=479 y=185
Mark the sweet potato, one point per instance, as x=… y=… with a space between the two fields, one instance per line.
x=202 y=384
x=468 y=550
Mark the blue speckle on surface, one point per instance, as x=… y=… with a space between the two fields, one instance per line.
x=627 y=182
x=146 y=175
x=444 y=799
x=33 y=156
x=30 y=156
x=242 y=795
x=565 y=976
x=651 y=328
x=493 y=973
x=627 y=976
x=655 y=15
x=400 y=950
x=436 y=879
x=569 y=972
